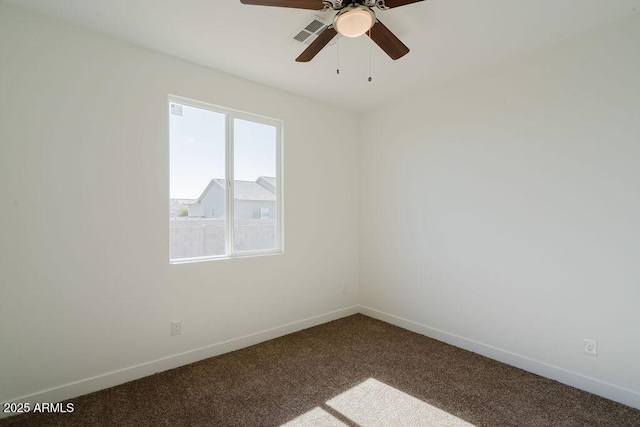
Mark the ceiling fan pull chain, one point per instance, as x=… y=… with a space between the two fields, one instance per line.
x=369 y=79
x=338 y=56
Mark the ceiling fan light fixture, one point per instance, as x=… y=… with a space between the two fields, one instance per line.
x=354 y=21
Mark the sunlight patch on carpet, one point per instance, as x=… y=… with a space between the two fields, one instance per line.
x=374 y=403
x=317 y=417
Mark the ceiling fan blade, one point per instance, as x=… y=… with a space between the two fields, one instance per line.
x=316 y=46
x=397 y=3
x=387 y=41
x=297 y=4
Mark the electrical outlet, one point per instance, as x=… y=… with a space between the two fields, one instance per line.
x=345 y=290
x=590 y=346
x=176 y=327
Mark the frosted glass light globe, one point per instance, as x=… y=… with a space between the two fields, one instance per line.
x=354 y=21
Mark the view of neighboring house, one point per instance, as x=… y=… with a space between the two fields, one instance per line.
x=253 y=200
x=177 y=205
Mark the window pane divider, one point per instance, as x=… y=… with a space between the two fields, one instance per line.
x=230 y=186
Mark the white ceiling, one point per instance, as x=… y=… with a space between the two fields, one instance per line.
x=446 y=37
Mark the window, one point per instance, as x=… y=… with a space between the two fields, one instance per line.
x=225 y=182
x=260 y=213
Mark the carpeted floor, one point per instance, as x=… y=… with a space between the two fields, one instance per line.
x=355 y=371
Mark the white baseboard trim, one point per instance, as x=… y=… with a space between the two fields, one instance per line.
x=573 y=379
x=110 y=379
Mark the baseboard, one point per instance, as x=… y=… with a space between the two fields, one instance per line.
x=110 y=379
x=573 y=379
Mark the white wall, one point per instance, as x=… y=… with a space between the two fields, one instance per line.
x=501 y=211
x=86 y=291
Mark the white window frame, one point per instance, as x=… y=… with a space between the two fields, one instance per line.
x=230 y=116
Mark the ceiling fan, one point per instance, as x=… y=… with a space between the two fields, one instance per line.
x=354 y=18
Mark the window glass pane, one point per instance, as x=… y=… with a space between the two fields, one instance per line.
x=254 y=204
x=197 y=182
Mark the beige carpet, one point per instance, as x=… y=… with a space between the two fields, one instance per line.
x=355 y=371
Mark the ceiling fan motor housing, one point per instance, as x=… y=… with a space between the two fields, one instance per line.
x=344 y=3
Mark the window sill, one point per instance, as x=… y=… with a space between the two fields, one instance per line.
x=225 y=257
